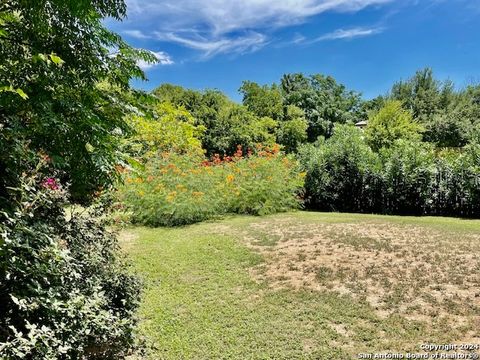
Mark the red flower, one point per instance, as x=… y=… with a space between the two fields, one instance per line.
x=239 y=152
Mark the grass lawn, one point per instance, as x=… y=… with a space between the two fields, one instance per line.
x=307 y=285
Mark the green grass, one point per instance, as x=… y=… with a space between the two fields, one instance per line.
x=203 y=301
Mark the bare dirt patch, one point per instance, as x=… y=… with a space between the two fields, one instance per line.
x=417 y=272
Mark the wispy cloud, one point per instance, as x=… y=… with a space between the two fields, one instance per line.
x=213 y=46
x=348 y=34
x=162 y=59
x=227 y=26
x=137 y=34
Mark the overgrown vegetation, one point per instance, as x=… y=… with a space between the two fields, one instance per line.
x=65 y=292
x=415 y=156
x=409 y=177
x=64 y=83
x=184 y=156
x=179 y=189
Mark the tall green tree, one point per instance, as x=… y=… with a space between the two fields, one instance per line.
x=226 y=123
x=324 y=101
x=448 y=115
x=292 y=131
x=263 y=101
x=54 y=54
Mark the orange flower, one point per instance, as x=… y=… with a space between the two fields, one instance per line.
x=276 y=149
x=230 y=178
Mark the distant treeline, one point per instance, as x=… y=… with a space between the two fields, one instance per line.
x=418 y=154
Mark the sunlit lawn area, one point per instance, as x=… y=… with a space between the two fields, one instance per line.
x=307 y=285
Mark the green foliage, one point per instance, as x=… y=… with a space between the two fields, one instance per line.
x=226 y=124
x=54 y=55
x=263 y=101
x=324 y=101
x=409 y=177
x=64 y=290
x=178 y=189
x=448 y=115
x=64 y=94
x=390 y=123
x=238 y=126
x=292 y=131
x=423 y=95
x=343 y=173
x=408 y=171
x=170 y=129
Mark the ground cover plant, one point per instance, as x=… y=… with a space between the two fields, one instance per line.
x=177 y=189
x=307 y=285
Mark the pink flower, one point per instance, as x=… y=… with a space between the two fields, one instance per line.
x=50 y=183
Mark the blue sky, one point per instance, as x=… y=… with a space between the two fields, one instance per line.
x=365 y=44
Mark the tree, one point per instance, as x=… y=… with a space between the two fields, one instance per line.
x=238 y=126
x=447 y=115
x=423 y=95
x=54 y=56
x=263 y=101
x=343 y=173
x=292 y=131
x=390 y=123
x=226 y=123
x=324 y=101
x=170 y=129
x=64 y=79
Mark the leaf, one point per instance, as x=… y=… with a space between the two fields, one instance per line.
x=89 y=147
x=12 y=90
x=56 y=59
x=22 y=94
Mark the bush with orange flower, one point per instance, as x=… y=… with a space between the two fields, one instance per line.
x=182 y=189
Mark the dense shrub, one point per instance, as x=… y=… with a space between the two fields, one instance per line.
x=343 y=173
x=457 y=182
x=391 y=123
x=407 y=177
x=64 y=291
x=408 y=173
x=177 y=190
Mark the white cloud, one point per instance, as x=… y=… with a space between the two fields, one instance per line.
x=213 y=46
x=137 y=34
x=162 y=59
x=348 y=34
x=220 y=26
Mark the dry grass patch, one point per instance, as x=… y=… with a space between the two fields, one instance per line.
x=418 y=272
